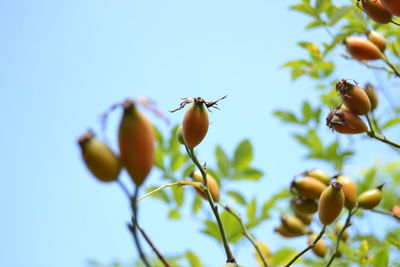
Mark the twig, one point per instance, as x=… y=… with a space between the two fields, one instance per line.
x=155 y=249
x=246 y=232
x=368 y=65
x=395 y=23
x=378 y=136
x=146 y=237
x=307 y=248
x=339 y=236
x=386 y=213
x=156 y=190
x=179 y=183
x=134 y=229
x=390 y=64
x=229 y=256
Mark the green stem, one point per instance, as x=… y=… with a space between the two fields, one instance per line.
x=386 y=213
x=307 y=248
x=156 y=190
x=378 y=136
x=339 y=236
x=391 y=65
x=214 y=208
x=395 y=23
x=134 y=228
x=246 y=232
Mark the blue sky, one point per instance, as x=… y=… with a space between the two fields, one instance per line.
x=64 y=62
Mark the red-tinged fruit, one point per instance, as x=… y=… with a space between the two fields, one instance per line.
x=362 y=49
x=212 y=185
x=136 y=143
x=331 y=203
x=376 y=11
x=396 y=210
x=195 y=123
x=377 y=39
x=372 y=95
x=349 y=189
x=345 y=122
x=320 y=248
x=102 y=162
x=370 y=198
x=308 y=187
x=354 y=98
x=393 y=6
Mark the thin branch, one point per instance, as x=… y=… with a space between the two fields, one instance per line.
x=134 y=229
x=155 y=249
x=368 y=65
x=391 y=65
x=307 y=248
x=384 y=212
x=395 y=23
x=379 y=136
x=246 y=232
x=339 y=236
x=229 y=256
x=156 y=190
x=124 y=189
x=182 y=182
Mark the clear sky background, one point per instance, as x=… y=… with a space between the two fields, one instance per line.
x=62 y=63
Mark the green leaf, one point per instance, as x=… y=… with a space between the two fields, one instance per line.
x=173 y=141
x=282 y=256
x=391 y=123
x=232 y=228
x=159 y=158
x=272 y=201
x=194 y=261
x=287 y=116
x=243 y=155
x=307 y=112
x=197 y=204
x=318 y=5
x=236 y=196
x=174 y=214
x=177 y=160
x=251 y=210
x=381 y=257
x=303 y=8
x=339 y=14
x=248 y=174
x=178 y=194
x=222 y=161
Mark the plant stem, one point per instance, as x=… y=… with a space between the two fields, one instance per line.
x=156 y=190
x=395 y=23
x=155 y=249
x=378 y=136
x=246 y=232
x=307 y=248
x=386 y=213
x=214 y=208
x=390 y=64
x=339 y=236
x=134 y=229
x=198 y=185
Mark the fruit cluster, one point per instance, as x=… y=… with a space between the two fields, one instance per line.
x=315 y=191
x=136 y=140
x=380 y=11
x=356 y=101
